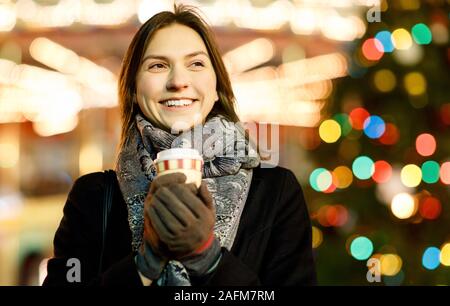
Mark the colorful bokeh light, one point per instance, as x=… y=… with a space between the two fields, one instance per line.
x=391 y=135
x=384 y=80
x=425 y=144
x=320 y=179
x=342 y=177
x=415 y=83
x=361 y=248
x=411 y=175
x=445 y=254
x=383 y=171
x=344 y=122
x=421 y=34
x=401 y=39
x=384 y=37
x=444 y=174
x=403 y=206
x=372 y=49
x=330 y=131
x=363 y=167
x=430 y=172
x=357 y=117
x=391 y=264
x=430 y=208
x=317 y=237
x=431 y=258
x=374 y=127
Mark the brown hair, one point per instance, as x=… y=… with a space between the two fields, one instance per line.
x=184 y=15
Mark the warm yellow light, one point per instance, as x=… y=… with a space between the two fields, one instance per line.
x=54 y=55
x=249 y=55
x=390 y=264
x=91 y=159
x=9 y=155
x=55 y=126
x=7 y=17
x=342 y=177
x=411 y=175
x=330 y=131
x=384 y=80
x=415 y=83
x=317 y=237
x=401 y=39
x=445 y=255
x=403 y=206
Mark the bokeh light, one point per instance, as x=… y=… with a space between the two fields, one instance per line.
x=401 y=39
x=363 y=167
x=411 y=175
x=391 y=135
x=317 y=237
x=361 y=248
x=372 y=49
x=445 y=173
x=445 y=113
x=344 y=122
x=415 y=83
x=390 y=264
x=384 y=37
x=421 y=34
x=430 y=208
x=403 y=206
x=383 y=171
x=384 y=80
x=374 y=127
x=431 y=258
x=425 y=144
x=342 y=177
x=430 y=172
x=445 y=254
x=330 y=131
x=320 y=179
x=357 y=117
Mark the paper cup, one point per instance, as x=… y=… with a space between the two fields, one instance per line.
x=187 y=161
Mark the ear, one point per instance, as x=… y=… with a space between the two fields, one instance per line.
x=216 y=96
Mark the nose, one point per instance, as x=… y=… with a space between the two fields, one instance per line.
x=178 y=79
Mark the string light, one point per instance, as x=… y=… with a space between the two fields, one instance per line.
x=361 y=248
x=431 y=258
x=363 y=167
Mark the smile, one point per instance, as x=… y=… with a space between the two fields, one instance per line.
x=178 y=104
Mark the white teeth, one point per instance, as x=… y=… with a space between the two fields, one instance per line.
x=184 y=102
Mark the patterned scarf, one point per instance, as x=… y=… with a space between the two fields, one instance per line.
x=228 y=160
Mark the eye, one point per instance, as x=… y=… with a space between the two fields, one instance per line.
x=198 y=64
x=156 y=66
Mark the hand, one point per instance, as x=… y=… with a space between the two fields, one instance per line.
x=150 y=236
x=184 y=217
x=149 y=260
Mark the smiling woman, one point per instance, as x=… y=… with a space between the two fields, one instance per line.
x=246 y=224
x=179 y=86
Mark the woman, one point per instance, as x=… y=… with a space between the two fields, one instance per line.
x=245 y=225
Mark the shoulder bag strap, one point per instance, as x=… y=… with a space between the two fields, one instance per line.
x=107 y=203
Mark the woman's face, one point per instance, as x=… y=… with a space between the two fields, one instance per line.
x=176 y=83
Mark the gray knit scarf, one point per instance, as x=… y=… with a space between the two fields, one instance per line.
x=228 y=160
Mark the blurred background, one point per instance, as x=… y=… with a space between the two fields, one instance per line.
x=357 y=91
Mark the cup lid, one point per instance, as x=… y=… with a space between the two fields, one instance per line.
x=178 y=153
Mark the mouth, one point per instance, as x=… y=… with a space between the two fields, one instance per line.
x=178 y=104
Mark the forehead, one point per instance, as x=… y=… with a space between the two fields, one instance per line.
x=175 y=40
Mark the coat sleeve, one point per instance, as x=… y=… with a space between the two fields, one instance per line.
x=77 y=244
x=288 y=258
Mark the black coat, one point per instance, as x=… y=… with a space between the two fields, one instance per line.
x=272 y=246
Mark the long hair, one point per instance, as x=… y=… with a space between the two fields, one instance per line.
x=184 y=15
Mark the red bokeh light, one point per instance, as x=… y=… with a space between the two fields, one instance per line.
x=430 y=208
x=383 y=171
x=372 y=49
x=425 y=144
x=357 y=118
x=391 y=135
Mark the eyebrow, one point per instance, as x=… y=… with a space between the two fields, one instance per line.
x=166 y=58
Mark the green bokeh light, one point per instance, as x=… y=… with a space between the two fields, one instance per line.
x=430 y=172
x=363 y=167
x=421 y=34
x=361 y=248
